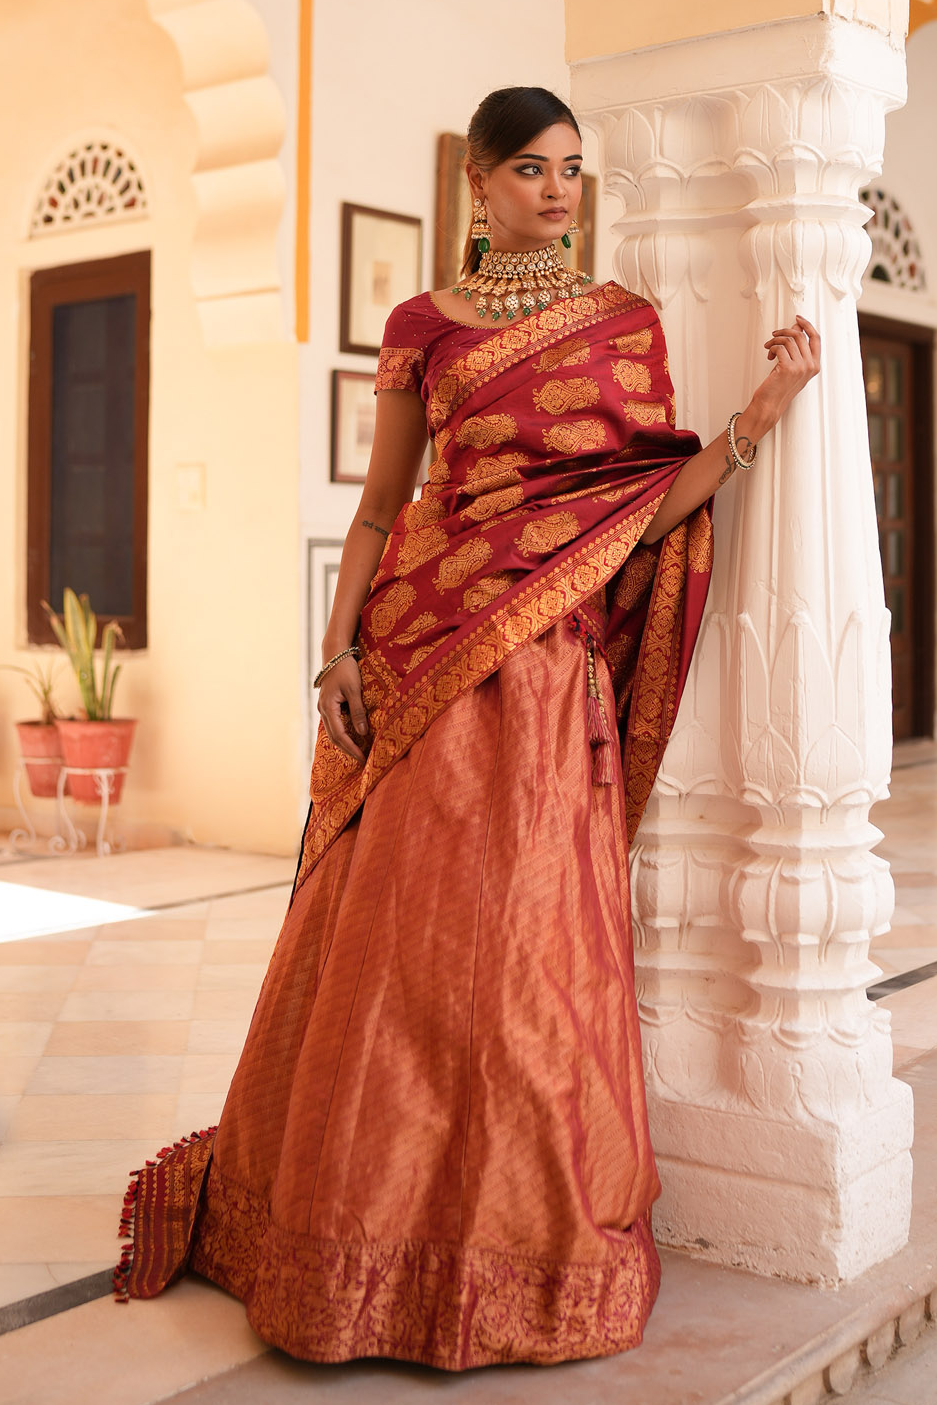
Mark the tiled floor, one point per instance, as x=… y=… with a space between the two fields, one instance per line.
x=116 y=1036
x=122 y=1030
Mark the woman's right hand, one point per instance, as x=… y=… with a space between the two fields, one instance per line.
x=342 y=709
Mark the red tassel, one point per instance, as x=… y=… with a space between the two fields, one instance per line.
x=600 y=737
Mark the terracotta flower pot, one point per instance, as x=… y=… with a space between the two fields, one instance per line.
x=39 y=742
x=95 y=744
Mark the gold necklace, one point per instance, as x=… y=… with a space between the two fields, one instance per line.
x=510 y=282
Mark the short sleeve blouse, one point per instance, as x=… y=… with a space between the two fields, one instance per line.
x=402 y=361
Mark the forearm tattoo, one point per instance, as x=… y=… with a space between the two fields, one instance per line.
x=375 y=528
x=744 y=445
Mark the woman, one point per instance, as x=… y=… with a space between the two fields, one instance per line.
x=435 y=1146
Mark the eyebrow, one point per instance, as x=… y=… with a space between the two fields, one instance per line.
x=532 y=156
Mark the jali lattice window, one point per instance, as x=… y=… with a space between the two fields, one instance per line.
x=95 y=181
x=896 y=254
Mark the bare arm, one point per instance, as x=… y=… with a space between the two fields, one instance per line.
x=795 y=352
x=399 y=444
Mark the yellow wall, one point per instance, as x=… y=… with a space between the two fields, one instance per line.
x=596 y=27
x=217 y=692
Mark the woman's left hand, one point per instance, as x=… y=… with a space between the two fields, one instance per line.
x=795 y=352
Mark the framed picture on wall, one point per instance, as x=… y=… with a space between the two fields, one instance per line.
x=453 y=208
x=323 y=558
x=381 y=267
x=454 y=215
x=353 y=408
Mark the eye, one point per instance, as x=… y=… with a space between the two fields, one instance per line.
x=572 y=170
x=530 y=170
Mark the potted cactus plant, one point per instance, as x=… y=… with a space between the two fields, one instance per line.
x=39 y=741
x=98 y=740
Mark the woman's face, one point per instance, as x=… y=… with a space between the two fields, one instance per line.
x=532 y=198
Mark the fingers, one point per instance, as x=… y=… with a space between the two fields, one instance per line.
x=796 y=347
x=342 y=710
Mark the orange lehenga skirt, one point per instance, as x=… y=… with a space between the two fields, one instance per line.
x=435 y=1146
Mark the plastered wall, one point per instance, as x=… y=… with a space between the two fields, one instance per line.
x=218 y=756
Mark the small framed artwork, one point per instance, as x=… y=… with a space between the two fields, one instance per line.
x=453 y=208
x=353 y=410
x=381 y=267
x=323 y=558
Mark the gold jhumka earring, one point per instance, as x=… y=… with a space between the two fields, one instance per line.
x=481 y=230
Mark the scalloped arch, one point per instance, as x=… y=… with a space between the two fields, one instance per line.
x=239 y=184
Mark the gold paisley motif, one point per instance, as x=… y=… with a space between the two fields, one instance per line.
x=561 y=397
x=419 y=547
x=636 y=578
x=574 y=352
x=455 y=570
x=419 y=626
x=394 y=603
x=547 y=534
x=486 y=431
x=481 y=593
x=635 y=343
x=573 y=495
x=443 y=435
x=576 y=437
x=632 y=375
x=421 y=513
x=418 y=655
x=645 y=411
x=399 y=368
x=489 y=504
x=487 y=474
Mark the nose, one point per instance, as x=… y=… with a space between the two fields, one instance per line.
x=553 y=186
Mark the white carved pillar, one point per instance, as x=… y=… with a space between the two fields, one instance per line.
x=782 y=1137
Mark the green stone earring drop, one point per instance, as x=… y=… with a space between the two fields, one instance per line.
x=481 y=230
x=566 y=242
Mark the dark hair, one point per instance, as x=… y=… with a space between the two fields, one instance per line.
x=504 y=123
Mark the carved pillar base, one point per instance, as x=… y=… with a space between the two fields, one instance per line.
x=782 y=1137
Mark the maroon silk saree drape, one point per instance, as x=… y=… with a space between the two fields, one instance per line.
x=555 y=444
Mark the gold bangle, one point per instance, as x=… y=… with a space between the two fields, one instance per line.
x=734 y=448
x=352 y=652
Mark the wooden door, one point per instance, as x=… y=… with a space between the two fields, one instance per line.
x=903 y=503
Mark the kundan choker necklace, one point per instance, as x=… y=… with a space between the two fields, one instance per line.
x=508 y=282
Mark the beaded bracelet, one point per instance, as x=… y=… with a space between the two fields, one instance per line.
x=352 y=652
x=734 y=448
